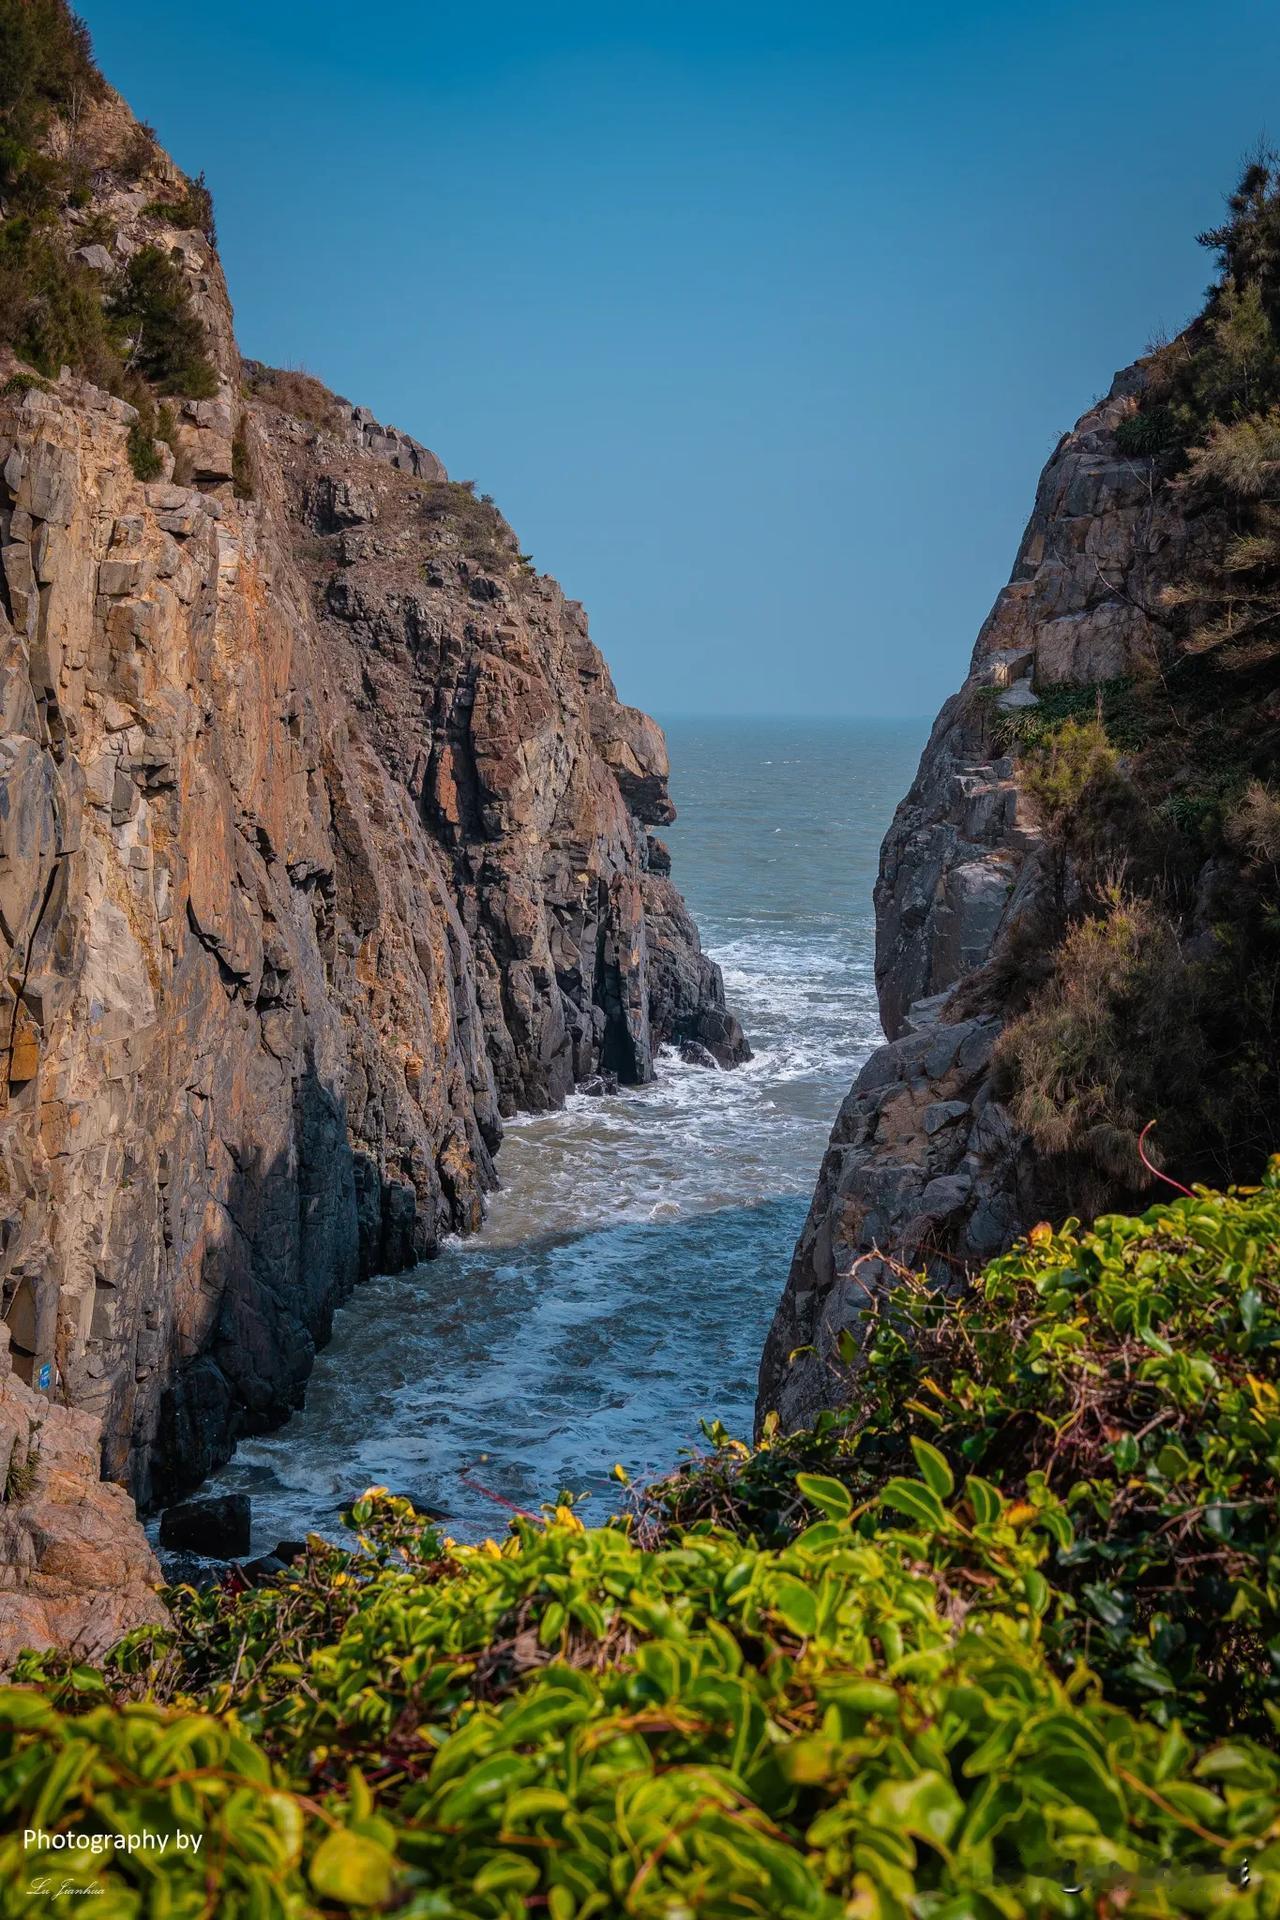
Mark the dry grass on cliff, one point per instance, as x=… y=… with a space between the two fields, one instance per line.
x=1110 y=1042
x=296 y=392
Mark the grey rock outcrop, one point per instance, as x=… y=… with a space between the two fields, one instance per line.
x=924 y=1165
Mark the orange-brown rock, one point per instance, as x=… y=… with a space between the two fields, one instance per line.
x=76 y=1570
x=322 y=846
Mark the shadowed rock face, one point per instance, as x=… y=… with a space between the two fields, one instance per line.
x=924 y=1165
x=322 y=846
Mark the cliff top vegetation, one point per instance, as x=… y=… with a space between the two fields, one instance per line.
x=1148 y=988
x=132 y=330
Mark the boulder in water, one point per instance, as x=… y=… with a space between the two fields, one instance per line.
x=723 y=1036
x=694 y=1054
x=598 y=1084
x=217 y=1527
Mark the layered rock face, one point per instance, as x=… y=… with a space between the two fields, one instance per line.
x=323 y=843
x=76 y=1571
x=924 y=1165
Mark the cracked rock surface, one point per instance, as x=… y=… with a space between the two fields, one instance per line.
x=76 y=1571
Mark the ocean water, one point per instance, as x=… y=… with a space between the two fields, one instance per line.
x=625 y=1277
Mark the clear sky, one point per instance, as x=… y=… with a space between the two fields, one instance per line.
x=758 y=321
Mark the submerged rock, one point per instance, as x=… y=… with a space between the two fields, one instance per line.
x=694 y=1054
x=597 y=1085
x=264 y=1569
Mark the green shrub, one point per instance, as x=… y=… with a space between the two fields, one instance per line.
x=141 y=148
x=192 y=210
x=1206 y=804
x=242 y=472
x=574 y=1724
x=1149 y=431
x=166 y=337
x=143 y=455
x=1076 y=761
x=1093 y=815
x=52 y=310
x=1132 y=1370
x=21 y=382
x=51 y=305
x=1246 y=242
x=980 y=1632
x=46 y=66
x=152 y=425
x=1123 y=706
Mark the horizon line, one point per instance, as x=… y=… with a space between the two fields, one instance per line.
x=707 y=713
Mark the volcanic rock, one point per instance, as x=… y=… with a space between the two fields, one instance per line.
x=218 y=1527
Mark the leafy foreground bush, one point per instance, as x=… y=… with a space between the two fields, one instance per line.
x=724 y=1706
x=1129 y=1376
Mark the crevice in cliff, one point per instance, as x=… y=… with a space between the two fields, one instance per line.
x=20 y=991
x=232 y=981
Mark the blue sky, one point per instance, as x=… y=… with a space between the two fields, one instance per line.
x=758 y=322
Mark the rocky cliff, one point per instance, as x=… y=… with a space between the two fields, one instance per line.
x=75 y=1568
x=324 y=837
x=1063 y=898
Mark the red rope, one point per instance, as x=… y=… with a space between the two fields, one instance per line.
x=464 y=1474
x=1142 y=1155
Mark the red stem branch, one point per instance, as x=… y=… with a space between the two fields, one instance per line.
x=1142 y=1155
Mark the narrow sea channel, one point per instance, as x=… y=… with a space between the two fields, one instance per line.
x=626 y=1274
